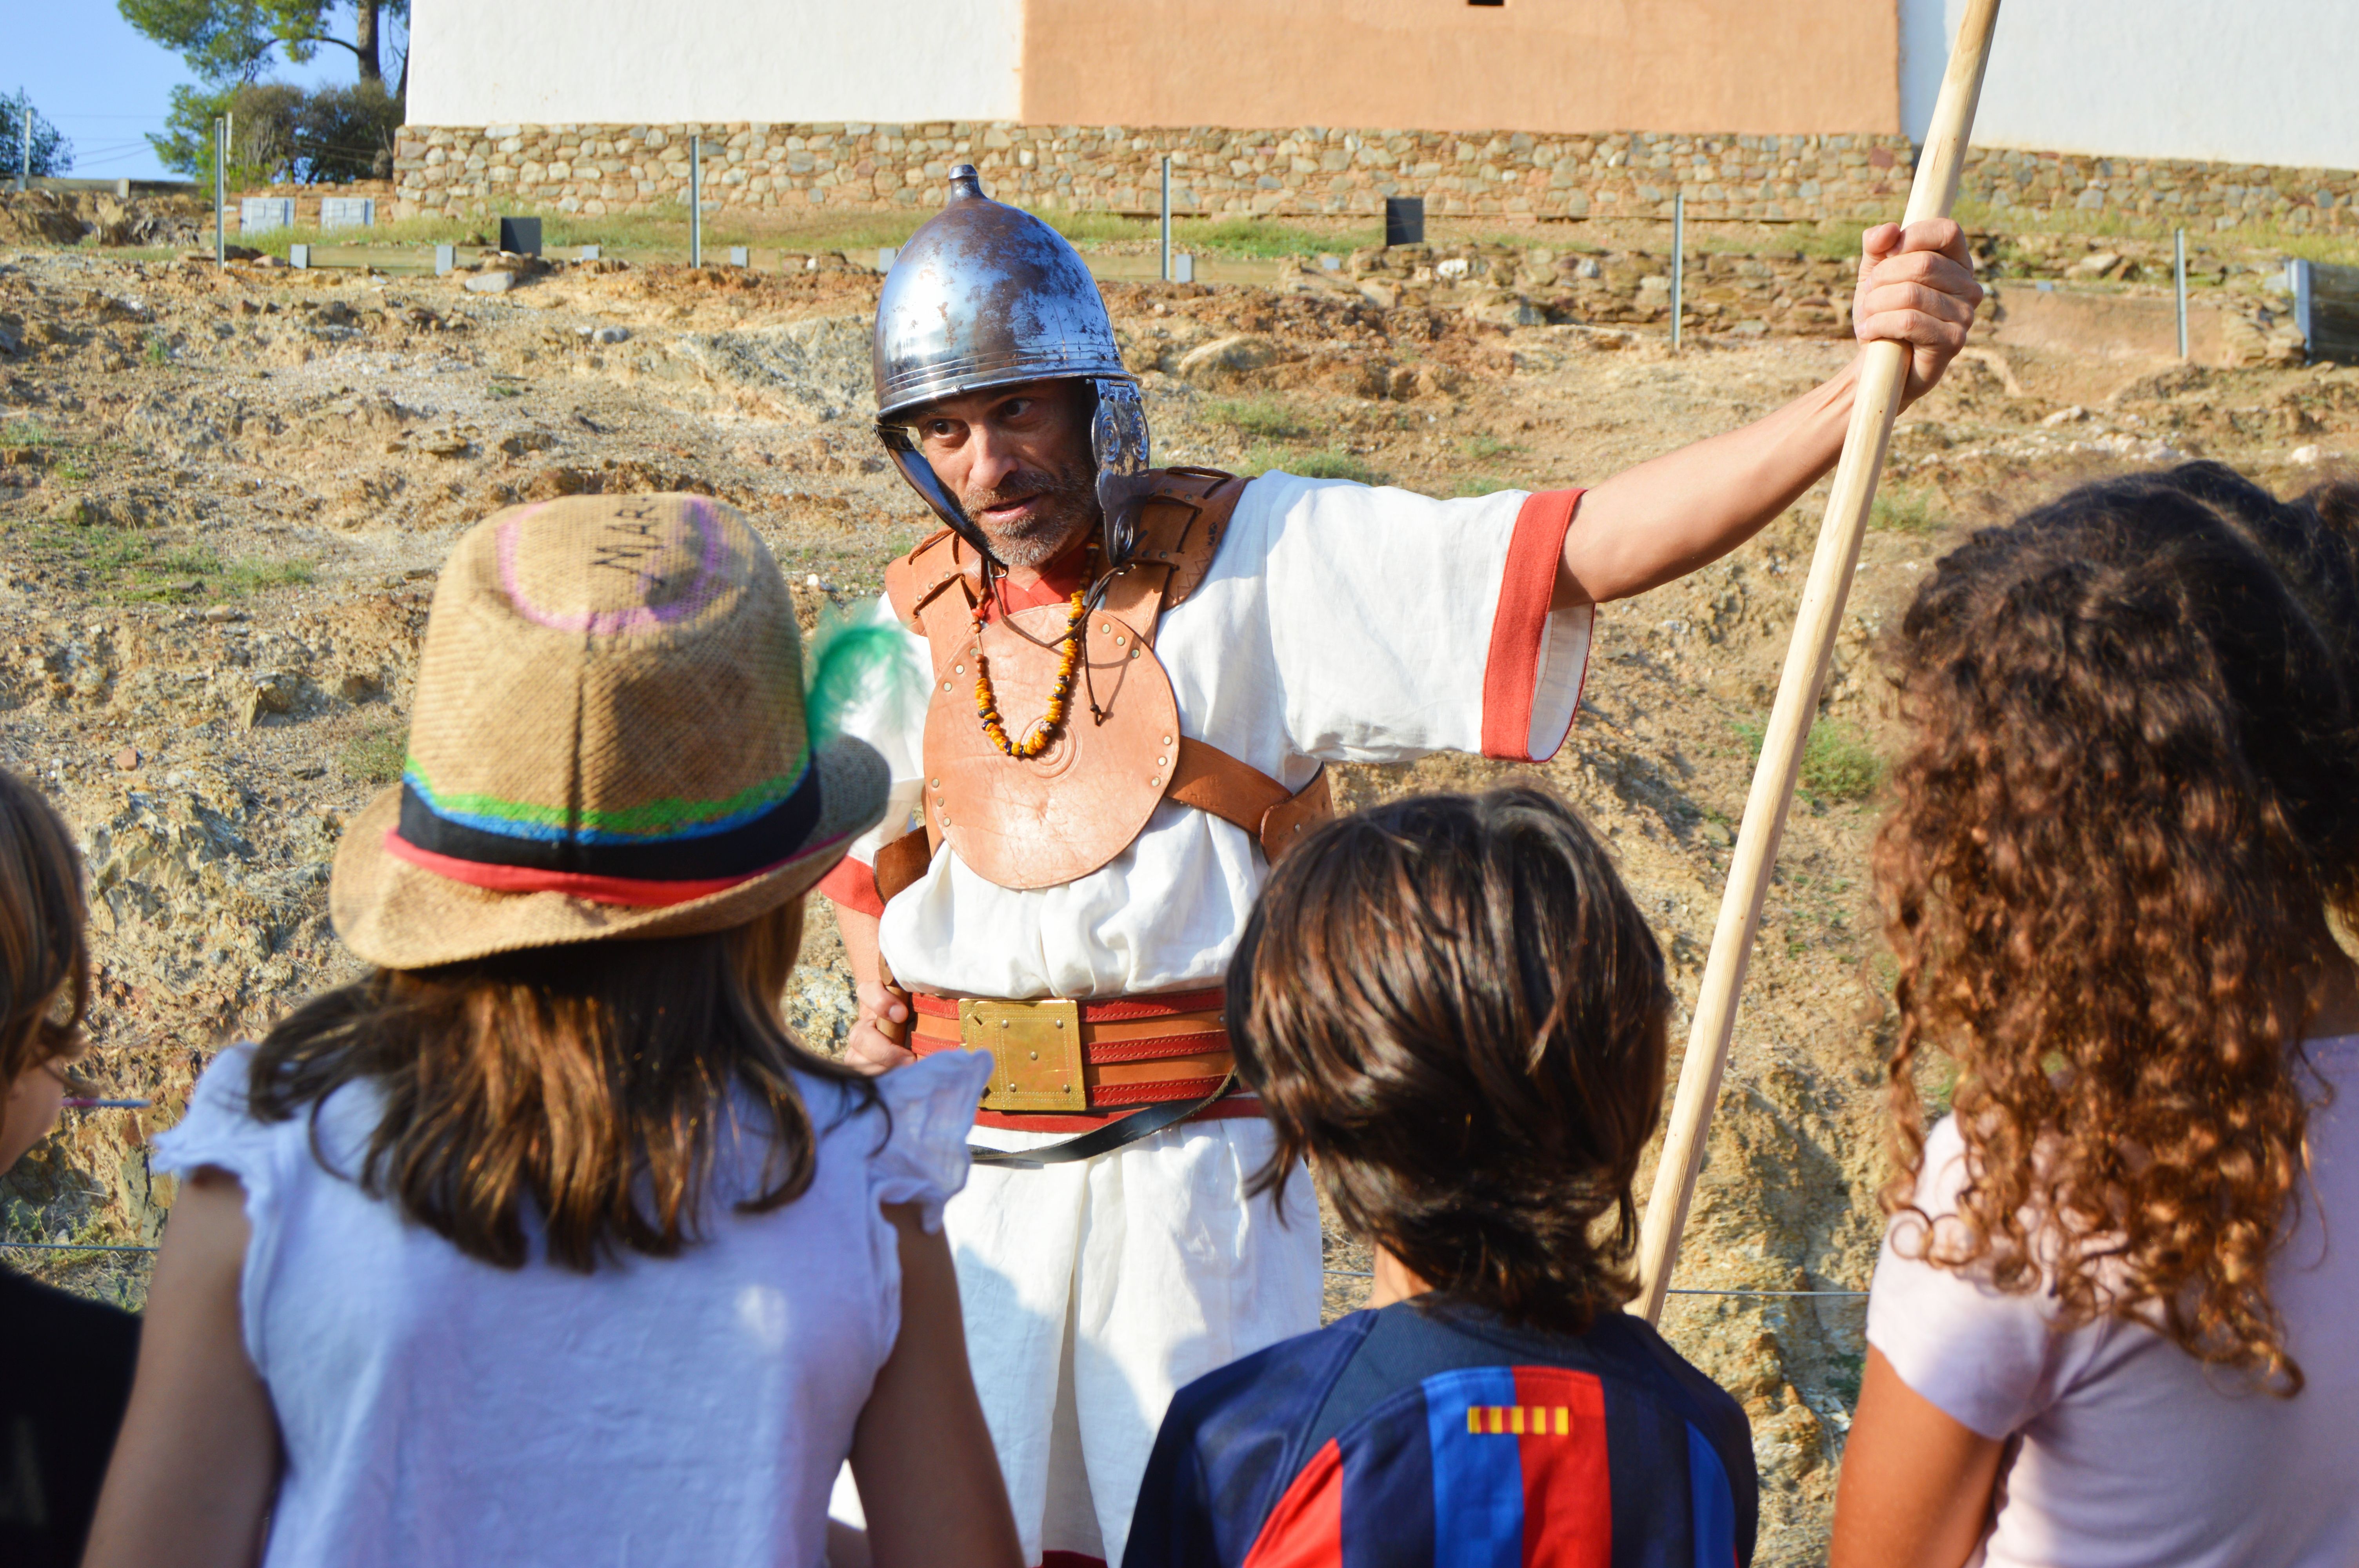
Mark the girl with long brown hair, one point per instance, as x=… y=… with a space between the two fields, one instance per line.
x=545 y=1241
x=2112 y=1321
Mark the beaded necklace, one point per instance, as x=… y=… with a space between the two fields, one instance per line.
x=986 y=701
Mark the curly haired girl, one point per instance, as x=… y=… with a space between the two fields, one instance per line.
x=2111 y=1322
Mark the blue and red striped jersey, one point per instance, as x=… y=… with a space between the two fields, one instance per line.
x=1428 y=1435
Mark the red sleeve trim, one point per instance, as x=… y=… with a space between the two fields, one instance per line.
x=1535 y=557
x=853 y=884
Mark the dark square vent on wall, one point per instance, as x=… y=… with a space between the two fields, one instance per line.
x=1486 y=1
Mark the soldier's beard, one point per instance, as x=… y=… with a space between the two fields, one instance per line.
x=1065 y=508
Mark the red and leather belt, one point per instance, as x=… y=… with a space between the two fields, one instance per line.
x=1061 y=1066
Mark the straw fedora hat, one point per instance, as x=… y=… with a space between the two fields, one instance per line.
x=608 y=743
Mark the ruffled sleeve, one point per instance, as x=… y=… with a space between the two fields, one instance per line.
x=932 y=1104
x=219 y=1130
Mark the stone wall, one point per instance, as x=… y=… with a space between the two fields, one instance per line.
x=751 y=169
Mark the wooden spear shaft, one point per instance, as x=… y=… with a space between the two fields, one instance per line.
x=1883 y=372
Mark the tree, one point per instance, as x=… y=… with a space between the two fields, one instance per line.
x=281 y=132
x=333 y=134
x=233 y=40
x=52 y=153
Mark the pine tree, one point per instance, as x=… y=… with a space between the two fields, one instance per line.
x=52 y=153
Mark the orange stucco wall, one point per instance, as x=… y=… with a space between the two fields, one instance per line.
x=1747 y=66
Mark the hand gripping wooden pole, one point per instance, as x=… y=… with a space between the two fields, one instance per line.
x=1884 y=371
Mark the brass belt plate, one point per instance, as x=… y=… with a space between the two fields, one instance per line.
x=1035 y=1051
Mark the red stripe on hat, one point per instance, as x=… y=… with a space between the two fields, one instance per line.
x=630 y=892
x=1568 y=1491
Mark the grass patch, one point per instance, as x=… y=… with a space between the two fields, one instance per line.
x=1941 y=1092
x=1264 y=418
x=133 y=565
x=662 y=235
x=2249 y=240
x=1837 y=761
x=1483 y=449
x=1899 y=510
x=1843 y=1376
x=1481 y=484
x=374 y=756
x=1838 y=764
x=1093 y=228
x=235 y=579
x=1259 y=239
x=1329 y=462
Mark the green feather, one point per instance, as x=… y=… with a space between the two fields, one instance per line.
x=856 y=661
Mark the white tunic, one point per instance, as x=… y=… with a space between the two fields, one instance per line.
x=438 y=1410
x=1339 y=623
x=2125 y=1450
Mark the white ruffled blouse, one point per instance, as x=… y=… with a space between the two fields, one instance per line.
x=690 y=1411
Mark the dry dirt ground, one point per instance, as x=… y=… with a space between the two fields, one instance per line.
x=224 y=497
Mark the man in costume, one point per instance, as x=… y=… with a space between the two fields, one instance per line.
x=1136 y=676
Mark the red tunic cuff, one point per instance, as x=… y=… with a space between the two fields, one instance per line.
x=1511 y=676
x=853 y=884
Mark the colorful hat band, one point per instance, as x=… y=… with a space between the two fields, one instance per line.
x=723 y=851
x=628 y=892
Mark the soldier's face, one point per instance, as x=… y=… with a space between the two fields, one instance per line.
x=1017 y=458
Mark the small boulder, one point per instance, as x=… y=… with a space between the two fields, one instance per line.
x=1225 y=357
x=1504 y=307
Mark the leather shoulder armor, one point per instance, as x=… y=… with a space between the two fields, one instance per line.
x=1061 y=815
x=917 y=579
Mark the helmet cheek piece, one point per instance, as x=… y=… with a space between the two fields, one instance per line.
x=901 y=445
x=1118 y=442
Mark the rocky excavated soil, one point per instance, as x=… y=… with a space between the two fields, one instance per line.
x=224 y=497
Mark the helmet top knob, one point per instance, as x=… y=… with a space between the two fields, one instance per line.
x=965 y=182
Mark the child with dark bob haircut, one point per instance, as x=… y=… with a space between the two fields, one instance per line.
x=65 y=1362
x=1451 y=1007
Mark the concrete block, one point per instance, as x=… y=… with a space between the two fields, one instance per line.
x=260 y=214
x=347 y=212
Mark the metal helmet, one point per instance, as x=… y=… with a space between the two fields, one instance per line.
x=986 y=295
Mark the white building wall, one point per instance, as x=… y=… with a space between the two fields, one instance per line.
x=2224 y=80
x=637 y=61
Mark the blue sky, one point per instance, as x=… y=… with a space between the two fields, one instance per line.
x=104 y=85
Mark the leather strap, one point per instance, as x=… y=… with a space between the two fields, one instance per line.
x=1211 y=780
x=1214 y=782
x=901 y=863
x=1103 y=1139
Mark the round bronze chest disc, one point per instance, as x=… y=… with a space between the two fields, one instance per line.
x=1063 y=815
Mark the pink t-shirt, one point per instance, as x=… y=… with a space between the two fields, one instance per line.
x=2130 y=1451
